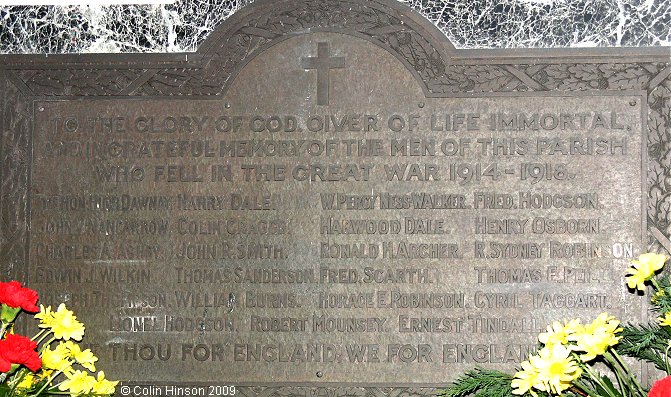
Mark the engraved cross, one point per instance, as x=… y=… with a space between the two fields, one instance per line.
x=323 y=63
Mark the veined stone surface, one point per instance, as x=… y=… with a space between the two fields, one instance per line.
x=182 y=26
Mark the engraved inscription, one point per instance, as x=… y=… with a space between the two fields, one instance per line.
x=389 y=230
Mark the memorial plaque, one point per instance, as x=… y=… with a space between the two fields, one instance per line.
x=329 y=194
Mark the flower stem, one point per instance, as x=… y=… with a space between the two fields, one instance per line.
x=582 y=389
x=655 y=284
x=637 y=388
x=617 y=369
x=596 y=377
x=37 y=335
x=17 y=379
x=51 y=379
x=46 y=345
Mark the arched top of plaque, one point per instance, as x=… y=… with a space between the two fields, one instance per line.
x=440 y=68
x=398 y=29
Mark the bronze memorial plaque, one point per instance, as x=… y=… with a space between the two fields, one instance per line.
x=329 y=194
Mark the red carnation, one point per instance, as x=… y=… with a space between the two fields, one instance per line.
x=17 y=349
x=5 y=365
x=14 y=295
x=661 y=388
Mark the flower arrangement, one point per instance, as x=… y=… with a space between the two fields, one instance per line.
x=565 y=361
x=51 y=362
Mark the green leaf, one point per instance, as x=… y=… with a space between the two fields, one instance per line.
x=662 y=302
x=645 y=342
x=8 y=314
x=480 y=382
x=13 y=369
x=610 y=389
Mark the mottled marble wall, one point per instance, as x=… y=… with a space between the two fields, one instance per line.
x=469 y=24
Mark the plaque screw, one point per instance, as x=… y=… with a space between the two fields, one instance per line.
x=227 y=105
x=421 y=105
x=320 y=374
x=632 y=102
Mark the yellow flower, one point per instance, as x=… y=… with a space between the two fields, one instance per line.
x=657 y=296
x=46 y=317
x=45 y=374
x=558 y=333
x=63 y=323
x=666 y=320
x=85 y=358
x=556 y=369
x=27 y=381
x=57 y=359
x=525 y=380
x=78 y=382
x=643 y=269
x=595 y=338
x=104 y=386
